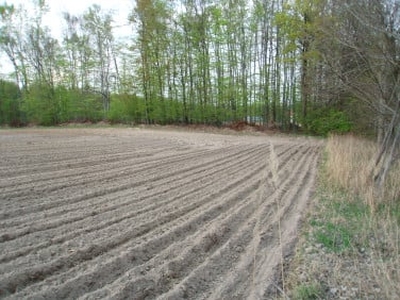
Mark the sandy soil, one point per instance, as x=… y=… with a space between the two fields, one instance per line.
x=129 y=213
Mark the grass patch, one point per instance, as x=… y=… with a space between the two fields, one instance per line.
x=350 y=244
x=335 y=238
x=308 y=292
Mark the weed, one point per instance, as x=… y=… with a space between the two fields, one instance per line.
x=334 y=237
x=315 y=223
x=308 y=292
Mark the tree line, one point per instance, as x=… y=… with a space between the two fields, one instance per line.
x=204 y=61
x=319 y=65
x=187 y=61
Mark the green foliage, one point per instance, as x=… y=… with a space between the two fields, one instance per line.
x=157 y=112
x=78 y=106
x=10 y=112
x=173 y=111
x=339 y=231
x=46 y=106
x=6 y=10
x=308 y=292
x=127 y=108
x=351 y=209
x=322 y=121
x=298 y=21
x=334 y=237
x=392 y=209
x=40 y=106
x=214 y=57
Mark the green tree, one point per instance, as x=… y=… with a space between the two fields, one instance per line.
x=97 y=29
x=12 y=41
x=151 y=18
x=299 y=24
x=42 y=54
x=10 y=111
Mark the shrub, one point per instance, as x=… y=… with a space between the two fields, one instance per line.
x=322 y=121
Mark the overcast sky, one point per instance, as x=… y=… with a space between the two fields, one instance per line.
x=53 y=19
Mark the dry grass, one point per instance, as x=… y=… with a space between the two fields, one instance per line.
x=350 y=248
x=349 y=165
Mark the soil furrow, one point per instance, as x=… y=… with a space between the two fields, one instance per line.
x=289 y=220
x=116 y=267
x=125 y=170
x=205 y=242
x=67 y=203
x=168 y=182
x=77 y=163
x=39 y=272
x=70 y=232
x=156 y=172
x=203 y=277
x=237 y=283
x=200 y=254
x=122 y=213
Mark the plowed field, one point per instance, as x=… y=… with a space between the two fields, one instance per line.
x=148 y=214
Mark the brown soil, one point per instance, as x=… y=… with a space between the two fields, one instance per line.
x=137 y=213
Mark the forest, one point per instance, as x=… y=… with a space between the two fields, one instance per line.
x=318 y=66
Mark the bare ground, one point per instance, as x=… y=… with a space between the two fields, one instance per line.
x=129 y=213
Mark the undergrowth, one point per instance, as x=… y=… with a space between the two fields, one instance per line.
x=350 y=245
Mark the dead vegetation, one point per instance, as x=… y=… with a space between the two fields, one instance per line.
x=350 y=246
x=349 y=165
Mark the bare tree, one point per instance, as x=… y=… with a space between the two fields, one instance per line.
x=364 y=54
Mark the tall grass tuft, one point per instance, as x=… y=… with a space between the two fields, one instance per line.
x=349 y=165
